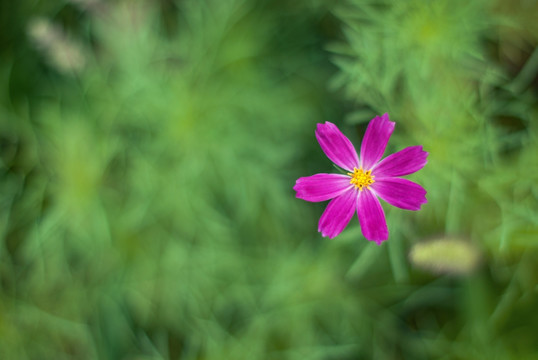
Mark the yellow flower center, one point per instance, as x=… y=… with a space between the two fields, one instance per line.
x=361 y=178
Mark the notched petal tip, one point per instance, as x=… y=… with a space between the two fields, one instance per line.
x=326 y=123
x=378 y=241
x=386 y=121
x=385 y=117
x=325 y=234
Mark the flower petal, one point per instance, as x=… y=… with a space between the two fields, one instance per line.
x=321 y=187
x=404 y=162
x=337 y=214
x=337 y=146
x=401 y=193
x=372 y=217
x=375 y=140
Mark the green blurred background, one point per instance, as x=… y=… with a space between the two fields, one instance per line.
x=148 y=151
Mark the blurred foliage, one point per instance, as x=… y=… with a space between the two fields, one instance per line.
x=148 y=154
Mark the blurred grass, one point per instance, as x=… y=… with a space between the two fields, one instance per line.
x=148 y=154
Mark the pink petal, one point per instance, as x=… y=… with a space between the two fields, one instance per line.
x=321 y=187
x=337 y=214
x=404 y=162
x=401 y=193
x=337 y=146
x=375 y=140
x=372 y=217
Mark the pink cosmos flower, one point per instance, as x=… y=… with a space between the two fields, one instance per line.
x=367 y=179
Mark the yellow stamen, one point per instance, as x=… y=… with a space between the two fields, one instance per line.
x=361 y=178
